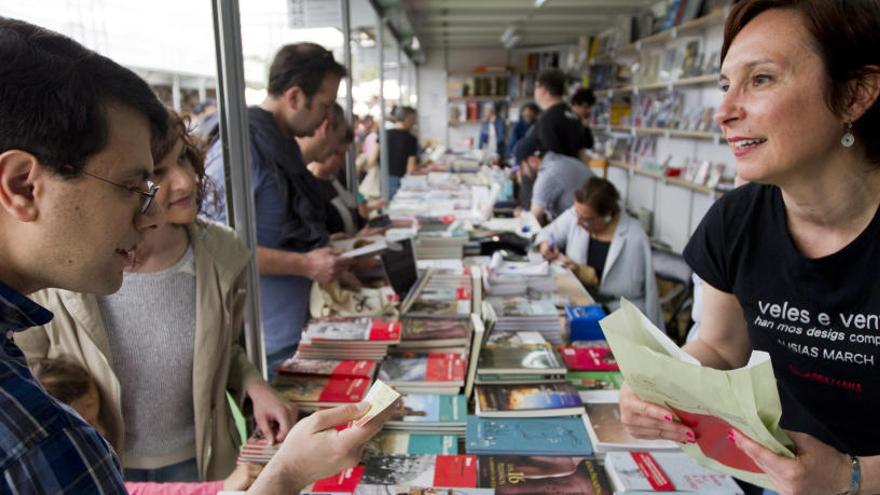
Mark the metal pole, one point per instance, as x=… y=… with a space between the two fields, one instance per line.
x=236 y=161
x=175 y=92
x=351 y=180
x=383 y=134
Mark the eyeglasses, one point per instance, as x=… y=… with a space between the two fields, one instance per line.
x=148 y=195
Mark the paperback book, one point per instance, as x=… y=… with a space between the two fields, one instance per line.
x=434 y=372
x=563 y=436
x=596 y=386
x=589 y=359
x=519 y=401
x=311 y=393
x=607 y=432
x=646 y=472
x=510 y=475
x=327 y=367
x=422 y=470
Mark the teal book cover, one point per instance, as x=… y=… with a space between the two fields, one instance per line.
x=563 y=436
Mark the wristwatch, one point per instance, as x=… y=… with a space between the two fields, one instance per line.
x=855 y=479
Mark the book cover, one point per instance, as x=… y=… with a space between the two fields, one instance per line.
x=344 y=482
x=435 y=329
x=711 y=433
x=589 y=359
x=665 y=471
x=395 y=442
x=364 y=489
x=422 y=470
x=510 y=475
x=522 y=307
x=328 y=367
x=524 y=398
x=564 y=436
x=433 y=408
x=595 y=380
x=538 y=359
x=607 y=432
x=353 y=329
x=433 y=368
x=321 y=389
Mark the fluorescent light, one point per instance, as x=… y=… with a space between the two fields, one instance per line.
x=539 y=3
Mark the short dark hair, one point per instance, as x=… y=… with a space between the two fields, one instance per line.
x=304 y=65
x=337 y=116
x=401 y=112
x=583 y=96
x=553 y=80
x=843 y=33
x=600 y=195
x=531 y=106
x=54 y=95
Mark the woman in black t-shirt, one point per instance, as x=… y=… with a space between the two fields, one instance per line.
x=789 y=262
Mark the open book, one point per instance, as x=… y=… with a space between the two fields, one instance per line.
x=709 y=401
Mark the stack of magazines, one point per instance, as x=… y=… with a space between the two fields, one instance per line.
x=436 y=373
x=517 y=313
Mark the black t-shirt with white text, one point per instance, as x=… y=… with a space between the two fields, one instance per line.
x=818 y=318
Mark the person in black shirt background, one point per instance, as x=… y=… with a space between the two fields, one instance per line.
x=558 y=129
x=582 y=102
x=403 y=147
x=789 y=262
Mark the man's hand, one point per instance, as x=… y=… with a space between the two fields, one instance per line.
x=315 y=449
x=324 y=265
x=274 y=415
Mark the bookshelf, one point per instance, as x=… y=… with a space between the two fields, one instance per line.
x=716 y=137
x=660 y=86
x=676 y=181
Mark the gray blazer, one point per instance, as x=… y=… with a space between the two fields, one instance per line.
x=629 y=271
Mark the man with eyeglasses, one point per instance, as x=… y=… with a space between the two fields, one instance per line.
x=75 y=200
x=292 y=240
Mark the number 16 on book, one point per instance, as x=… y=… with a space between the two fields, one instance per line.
x=380 y=397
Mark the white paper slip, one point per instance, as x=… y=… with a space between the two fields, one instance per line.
x=380 y=397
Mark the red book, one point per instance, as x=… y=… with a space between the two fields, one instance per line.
x=307 y=389
x=384 y=330
x=456 y=471
x=445 y=367
x=711 y=433
x=328 y=367
x=653 y=472
x=344 y=482
x=588 y=359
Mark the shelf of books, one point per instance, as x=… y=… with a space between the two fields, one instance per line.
x=506 y=382
x=677 y=181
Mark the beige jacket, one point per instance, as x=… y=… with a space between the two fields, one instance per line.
x=219 y=362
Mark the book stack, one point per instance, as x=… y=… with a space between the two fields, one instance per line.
x=424 y=471
x=528 y=401
x=311 y=393
x=645 y=472
x=296 y=365
x=432 y=373
x=505 y=339
x=431 y=414
x=563 y=436
x=593 y=370
x=518 y=278
x=354 y=338
x=442 y=295
x=257 y=450
x=523 y=364
x=421 y=334
x=518 y=313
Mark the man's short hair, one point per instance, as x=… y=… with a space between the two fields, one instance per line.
x=553 y=80
x=583 y=96
x=337 y=117
x=304 y=65
x=54 y=95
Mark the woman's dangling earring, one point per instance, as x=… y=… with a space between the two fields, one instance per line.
x=848 y=139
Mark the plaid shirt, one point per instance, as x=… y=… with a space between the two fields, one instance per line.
x=44 y=446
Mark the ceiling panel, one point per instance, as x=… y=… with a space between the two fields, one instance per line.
x=459 y=23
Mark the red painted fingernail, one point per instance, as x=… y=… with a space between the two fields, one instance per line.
x=730 y=436
x=691 y=436
x=667 y=418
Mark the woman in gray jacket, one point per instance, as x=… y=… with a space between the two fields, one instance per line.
x=606 y=248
